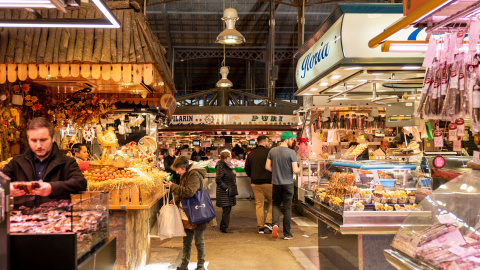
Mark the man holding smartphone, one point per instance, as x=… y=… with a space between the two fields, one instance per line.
x=60 y=175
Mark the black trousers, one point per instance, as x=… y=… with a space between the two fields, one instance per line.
x=225 y=218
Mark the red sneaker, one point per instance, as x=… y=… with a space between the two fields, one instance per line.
x=275 y=231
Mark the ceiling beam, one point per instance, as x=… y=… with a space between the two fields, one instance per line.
x=167 y=30
x=220 y=13
x=216 y=32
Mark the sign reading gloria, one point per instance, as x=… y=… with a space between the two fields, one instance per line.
x=322 y=55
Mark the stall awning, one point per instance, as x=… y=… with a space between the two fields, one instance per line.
x=337 y=57
x=130 y=54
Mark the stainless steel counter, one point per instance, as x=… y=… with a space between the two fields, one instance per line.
x=243 y=185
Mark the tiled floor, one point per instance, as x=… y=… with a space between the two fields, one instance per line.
x=245 y=248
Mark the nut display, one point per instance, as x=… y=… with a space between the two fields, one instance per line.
x=108 y=173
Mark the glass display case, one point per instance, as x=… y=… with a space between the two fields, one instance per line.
x=445 y=235
x=374 y=195
x=83 y=220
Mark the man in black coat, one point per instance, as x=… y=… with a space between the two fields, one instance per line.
x=261 y=182
x=60 y=174
x=168 y=161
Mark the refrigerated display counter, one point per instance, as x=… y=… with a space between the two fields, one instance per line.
x=360 y=205
x=446 y=235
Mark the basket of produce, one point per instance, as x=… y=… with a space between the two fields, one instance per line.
x=138 y=185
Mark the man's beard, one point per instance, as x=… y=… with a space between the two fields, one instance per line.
x=46 y=154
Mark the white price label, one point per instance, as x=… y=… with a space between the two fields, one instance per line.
x=476 y=156
x=446 y=219
x=459 y=251
x=461 y=130
x=457 y=145
x=438 y=141
x=452 y=135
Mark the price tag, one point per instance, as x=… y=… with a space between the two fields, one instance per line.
x=446 y=219
x=457 y=145
x=476 y=156
x=459 y=251
x=452 y=132
x=460 y=127
x=438 y=138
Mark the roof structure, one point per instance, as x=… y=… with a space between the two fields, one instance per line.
x=129 y=54
x=188 y=30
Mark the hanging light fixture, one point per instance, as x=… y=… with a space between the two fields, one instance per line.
x=224 y=70
x=224 y=82
x=230 y=36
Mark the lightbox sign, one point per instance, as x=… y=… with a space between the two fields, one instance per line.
x=346 y=41
x=238 y=119
x=325 y=53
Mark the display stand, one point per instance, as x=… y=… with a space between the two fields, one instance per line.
x=355 y=239
x=131 y=225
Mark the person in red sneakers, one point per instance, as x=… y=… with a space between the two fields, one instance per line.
x=282 y=162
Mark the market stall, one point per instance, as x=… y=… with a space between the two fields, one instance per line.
x=75 y=76
x=360 y=97
x=445 y=238
x=216 y=132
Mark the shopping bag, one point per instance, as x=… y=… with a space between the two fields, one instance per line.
x=199 y=208
x=169 y=220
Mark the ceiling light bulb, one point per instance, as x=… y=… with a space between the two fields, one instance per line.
x=352 y=68
x=334 y=77
x=323 y=83
x=314 y=89
x=378 y=73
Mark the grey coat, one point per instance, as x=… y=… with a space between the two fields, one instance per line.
x=225 y=177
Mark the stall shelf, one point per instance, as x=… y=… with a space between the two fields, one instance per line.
x=352 y=212
x=446 y=234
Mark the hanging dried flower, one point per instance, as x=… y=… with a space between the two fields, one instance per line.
x=29 y=104
x=26 y=87
x=34 y=99
x=37 y=106
x=28 y=97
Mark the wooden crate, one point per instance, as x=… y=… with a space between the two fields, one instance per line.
x=132 y=196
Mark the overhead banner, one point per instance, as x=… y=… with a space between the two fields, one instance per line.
x=230 y=119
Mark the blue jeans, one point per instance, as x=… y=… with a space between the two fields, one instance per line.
x=187 y=248
x=282 y=193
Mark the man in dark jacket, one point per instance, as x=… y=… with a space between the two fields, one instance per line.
x=261 y=183
x=168 y=161
x=60 y=174
x=197 y=154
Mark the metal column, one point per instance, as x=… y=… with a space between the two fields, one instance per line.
x=271 y=53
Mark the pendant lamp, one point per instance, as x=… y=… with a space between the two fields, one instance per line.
x=230 y=36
